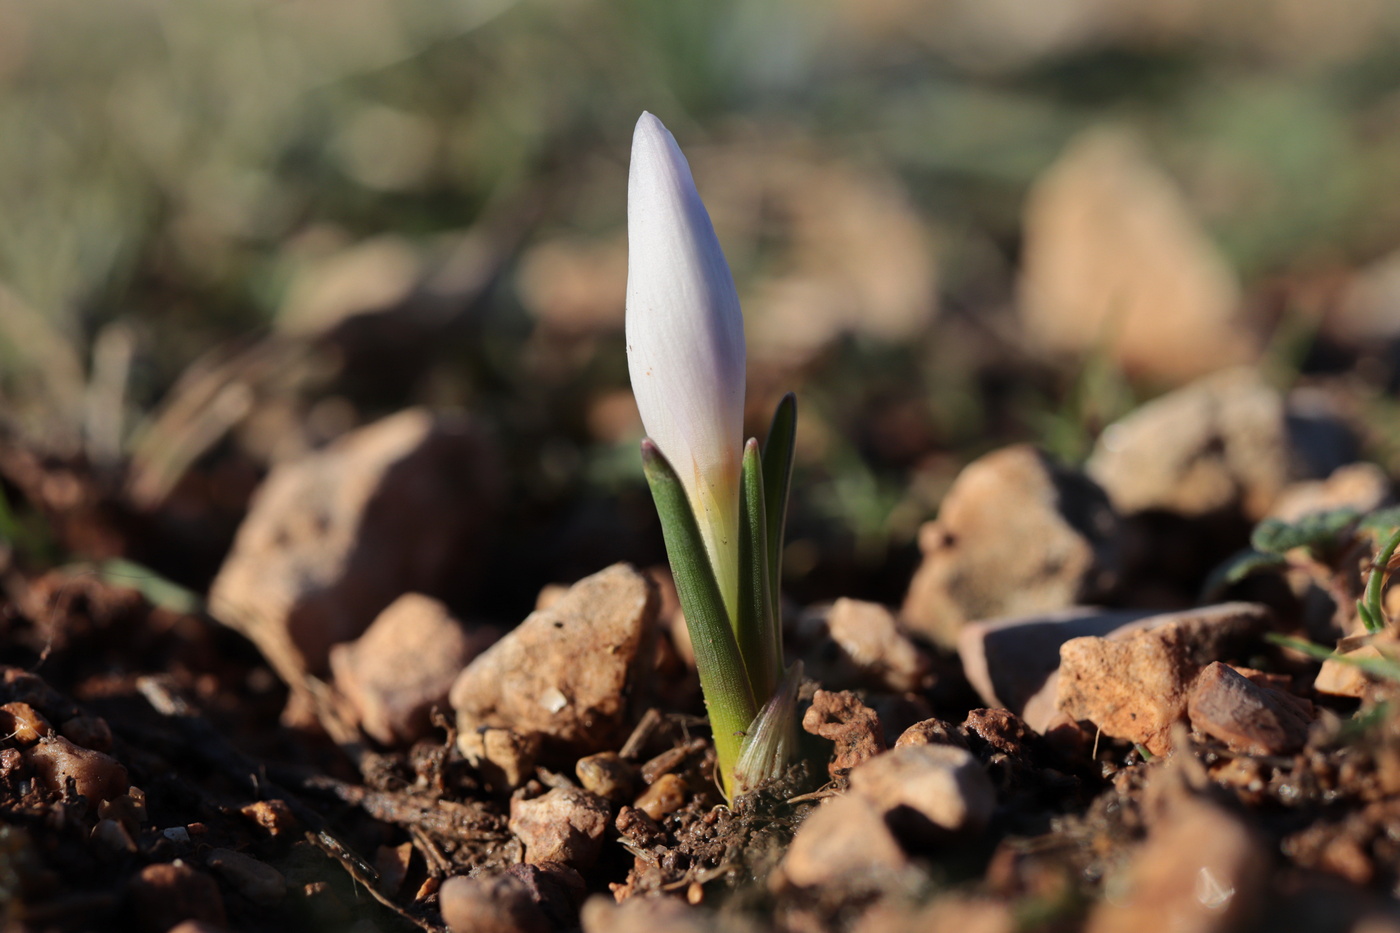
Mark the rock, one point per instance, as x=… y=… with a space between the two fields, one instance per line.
x=1341 y=679
x=506 y=759
x=1244 y=715
x=1200 y=871
x=114 y=836
x=258 y=881
x=557 y=888
x=195 y=926
x=927 y=792
x=566 y=673
x=946 y=912
x=931 y=732
x=845 y=843
x=54 y=760
x=168 y=893
x=1369 y=311
x=89 y=732
x=606 y=775
x=667 y=795
x=23 y=723
x=1016 y=534
x=404 y=665
x=273 y=816
x=1114 y=263
x=490 y=904
x=1226 y=443
x=869 y=648
x=391 y=864
x=1134 y=684
x=853 y=726
x=1009 y=661
x=654 y=915
x=564 y=825
x=332 y=538
x=1361 y=486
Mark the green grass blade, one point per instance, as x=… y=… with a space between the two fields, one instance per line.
x=723 y=679
x=777 y=482
x=756 y=616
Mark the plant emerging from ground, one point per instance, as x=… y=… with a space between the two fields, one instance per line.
x=721 y=501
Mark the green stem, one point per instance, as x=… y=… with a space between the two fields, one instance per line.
x=1369 y=608
x=723 y=678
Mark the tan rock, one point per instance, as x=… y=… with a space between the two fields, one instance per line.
x=1364 y=487
x=405 y=664
x=667 y=795
x=504 y=757
x=931 y=732
x=1244 y=715
x=846 y=721
x=871 y=649
x=654 y=915
x=948 y=912
x=844 y=842
x=490 y=904
x=1224 y=443
x=607 y=775
x=1009 y=661
x=1016 y=534
x=1200 y=871
x=23 y=723
x=96 y=776
x=1115 y=263
x=332 y=538
x=566 y=673
x=168 y=893
x=564 y=825
x=1341 y=679
x=1135 y=684
x=941 y=790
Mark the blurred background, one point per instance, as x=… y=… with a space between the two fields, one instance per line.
x=234 y=230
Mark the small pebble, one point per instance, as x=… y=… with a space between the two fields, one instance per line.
x=667 y=795
x=943 y=785
x=496 y=904
x=96 y=776
x=504 y=757
x=89 y=732
x=606 y=775
x=258 y=881
x=564 y=825
x=272 y=815
x=23 y=723
x=114 y=836
x=168 y=893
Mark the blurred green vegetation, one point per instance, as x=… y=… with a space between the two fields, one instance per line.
x=177 y=171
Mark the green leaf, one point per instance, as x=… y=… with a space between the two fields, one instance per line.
x=1382 y=521
x=1321 y=532
x=777 y=482
x=755 y=629
x=1243 y=564
x=723 y=678
x=1376 y=667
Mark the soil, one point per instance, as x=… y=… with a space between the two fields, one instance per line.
x=241 y=815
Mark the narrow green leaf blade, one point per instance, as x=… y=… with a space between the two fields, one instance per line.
x=723 y=679
x=777 y=483
x=757 y=641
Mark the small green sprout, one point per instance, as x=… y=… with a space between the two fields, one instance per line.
x=722 y=502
